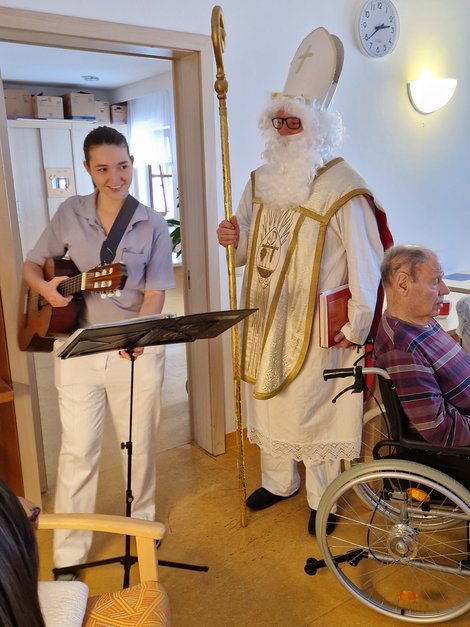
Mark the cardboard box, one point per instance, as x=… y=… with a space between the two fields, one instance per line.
x=79 y=105
x=102 y=112
x=48 y=107
x=119 y=114
x=18 y=103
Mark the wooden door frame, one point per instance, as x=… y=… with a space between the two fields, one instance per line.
x=195 y=128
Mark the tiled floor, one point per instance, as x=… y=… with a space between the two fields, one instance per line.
x=256 y=574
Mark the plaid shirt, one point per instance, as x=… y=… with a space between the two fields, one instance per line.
x=431 y=373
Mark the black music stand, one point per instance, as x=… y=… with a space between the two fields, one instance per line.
x=136 y=333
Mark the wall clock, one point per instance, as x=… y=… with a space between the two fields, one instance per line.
x=378 y=28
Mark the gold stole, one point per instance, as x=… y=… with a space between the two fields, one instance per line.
x=283 y=263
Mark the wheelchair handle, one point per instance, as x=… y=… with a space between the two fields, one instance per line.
x=337 y=373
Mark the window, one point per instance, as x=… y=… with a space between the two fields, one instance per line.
x=161 y=189
x=152 y=146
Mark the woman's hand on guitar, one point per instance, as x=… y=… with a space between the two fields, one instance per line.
x=50 y=293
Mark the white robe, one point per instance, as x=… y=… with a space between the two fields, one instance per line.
x=300 y=422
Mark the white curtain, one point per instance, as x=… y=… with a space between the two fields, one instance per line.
x=149 y=137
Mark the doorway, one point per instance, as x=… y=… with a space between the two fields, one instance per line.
x=194 y=109
x=38 y=146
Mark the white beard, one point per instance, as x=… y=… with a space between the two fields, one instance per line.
x=293 y=161
x=285 y=181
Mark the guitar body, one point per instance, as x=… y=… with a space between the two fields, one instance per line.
x=62 y=320
x=40 y=324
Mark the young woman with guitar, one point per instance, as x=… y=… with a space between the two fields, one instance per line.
x=90 y=385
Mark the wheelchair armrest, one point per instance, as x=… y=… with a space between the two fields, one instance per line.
x=410 y=441
x=417 y=443
x=392 y=444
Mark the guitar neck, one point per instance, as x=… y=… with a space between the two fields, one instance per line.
x=102 y=279
x=72 y=285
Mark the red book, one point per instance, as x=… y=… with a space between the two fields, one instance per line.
x=333 y=313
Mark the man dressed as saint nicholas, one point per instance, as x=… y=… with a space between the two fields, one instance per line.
x=307 y=222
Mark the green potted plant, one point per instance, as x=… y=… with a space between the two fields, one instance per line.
x=175 y=234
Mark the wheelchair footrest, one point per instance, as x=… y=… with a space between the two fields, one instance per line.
x=352 y=557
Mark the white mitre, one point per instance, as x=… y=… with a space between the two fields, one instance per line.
x=315 y=69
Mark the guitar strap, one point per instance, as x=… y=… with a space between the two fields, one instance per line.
x=110 y=244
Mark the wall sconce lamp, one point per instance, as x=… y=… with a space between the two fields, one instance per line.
x=428 y=94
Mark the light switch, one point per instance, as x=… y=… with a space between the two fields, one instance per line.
x=60 y=182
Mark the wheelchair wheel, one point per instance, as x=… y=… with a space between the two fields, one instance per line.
x=374 y=428
x=414 y=573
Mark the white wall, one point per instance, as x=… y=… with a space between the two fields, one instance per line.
x=415 y=164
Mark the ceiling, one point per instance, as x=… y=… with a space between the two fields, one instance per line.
x=23 y=63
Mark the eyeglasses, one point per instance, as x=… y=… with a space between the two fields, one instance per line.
x=33 y=517
x=292 y=124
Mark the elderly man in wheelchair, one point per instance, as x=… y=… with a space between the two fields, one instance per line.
x=402 y=543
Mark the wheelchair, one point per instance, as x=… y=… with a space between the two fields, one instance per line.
x=401 y=544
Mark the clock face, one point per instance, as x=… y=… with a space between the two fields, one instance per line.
x=378 y=28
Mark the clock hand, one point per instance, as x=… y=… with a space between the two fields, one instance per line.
x=377 y=28
x=367 y=37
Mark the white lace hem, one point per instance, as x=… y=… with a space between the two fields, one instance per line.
x=312 y=452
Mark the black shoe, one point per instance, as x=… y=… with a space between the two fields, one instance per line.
x=262 y=498
x=330 y=525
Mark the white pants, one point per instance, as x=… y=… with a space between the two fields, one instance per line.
x=87 y=386
x=280 y=476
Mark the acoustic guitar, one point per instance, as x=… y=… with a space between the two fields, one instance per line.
x=39 y=324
